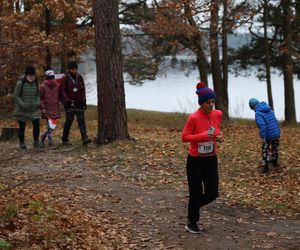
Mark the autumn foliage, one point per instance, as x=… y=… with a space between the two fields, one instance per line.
x=101 y=197
x=42 y=33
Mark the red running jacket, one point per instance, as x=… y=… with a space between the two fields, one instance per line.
x=196 y=132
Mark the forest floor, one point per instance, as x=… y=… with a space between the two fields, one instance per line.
x=133 y=194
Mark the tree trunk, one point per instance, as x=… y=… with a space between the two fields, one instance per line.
x=202 y=65
x=112 y=116
x=63 y=47
x=287 y=64
x=225 y=27
x=48 y=32
x=297 y=18
x=63 y=57
x=267 y=56
x=196 y=43
x=27 y=5
x=17 y=7
x=1 y=12
x=215 y=60
x=296 y=34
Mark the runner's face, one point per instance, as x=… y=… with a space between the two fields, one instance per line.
x=208 y=106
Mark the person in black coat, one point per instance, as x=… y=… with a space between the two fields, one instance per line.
x=73 y=97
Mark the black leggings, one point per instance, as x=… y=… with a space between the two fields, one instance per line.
x=272 y=146
x=203 y=181
x=36 y=130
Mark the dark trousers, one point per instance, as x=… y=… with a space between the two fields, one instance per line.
x=36 y=130
x=70 y=114
x=203 y=181
x=270 y=146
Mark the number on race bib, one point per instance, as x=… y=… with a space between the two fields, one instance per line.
x=205 y=148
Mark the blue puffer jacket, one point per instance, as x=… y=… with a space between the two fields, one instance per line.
x=266 y=122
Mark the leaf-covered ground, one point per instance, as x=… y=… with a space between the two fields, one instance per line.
x=133 y=194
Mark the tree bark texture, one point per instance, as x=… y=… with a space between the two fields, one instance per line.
x=201 y=63
x=267 y=55
x=225 y=28
x=215 y=61
x=1 y=12
x=112 y=116
x=48 y=32
x=287 y=65
x=195 y=44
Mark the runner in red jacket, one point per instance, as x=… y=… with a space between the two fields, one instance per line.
x=202 y=130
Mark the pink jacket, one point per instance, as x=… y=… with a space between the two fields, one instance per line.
x=49 y=94
x=196 y=130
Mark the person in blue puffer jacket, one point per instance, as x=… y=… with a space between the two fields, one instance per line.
x=269 y=132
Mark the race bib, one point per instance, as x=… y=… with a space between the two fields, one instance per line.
x=205 y=148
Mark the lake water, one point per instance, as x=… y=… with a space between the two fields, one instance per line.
x=175 y=92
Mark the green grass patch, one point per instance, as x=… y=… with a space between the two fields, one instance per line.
x=11 y=211
x=4 y=245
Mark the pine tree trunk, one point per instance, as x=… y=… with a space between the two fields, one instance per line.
x=267 y=56
x=112 y=116
x=48 y=32
x=202 y=65
x=225 y=27
x=215 y=60
x=1 y=12
x=296 y=31
x=287 y=65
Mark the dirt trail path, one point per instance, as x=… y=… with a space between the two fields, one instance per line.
x=155 y=215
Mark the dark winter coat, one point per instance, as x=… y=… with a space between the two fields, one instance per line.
x=49 y=95
x=266 y=122
x=27 y=100
x=72 y=90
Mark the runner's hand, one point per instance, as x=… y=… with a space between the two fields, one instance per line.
x=219 y=138
x=211 y=136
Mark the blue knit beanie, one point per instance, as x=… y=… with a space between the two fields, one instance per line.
x=204 y=93
x=253 y=102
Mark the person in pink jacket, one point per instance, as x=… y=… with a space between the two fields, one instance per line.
x=202 y=130
x=49 y=95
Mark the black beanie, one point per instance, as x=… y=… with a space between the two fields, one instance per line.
x=30 y=70
x=72 y=65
